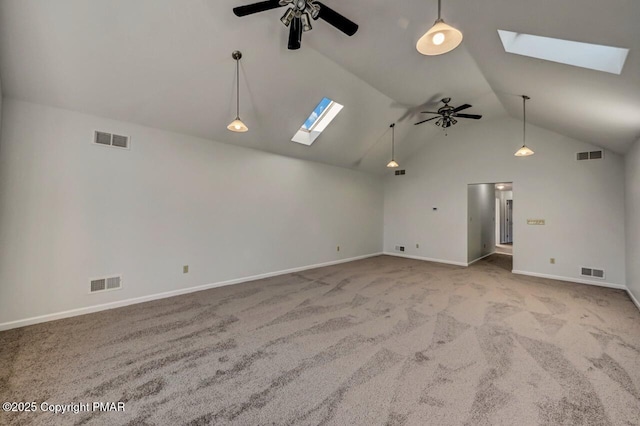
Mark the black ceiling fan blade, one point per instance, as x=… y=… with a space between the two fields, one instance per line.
x=262 y=6
x=295 y=34
x=424 y=121
x=461 y=107
x=429 y=112
x=472 y=116
x=334 y=18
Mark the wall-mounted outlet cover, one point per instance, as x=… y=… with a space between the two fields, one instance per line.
x=185 y=269
x=338 y=248
x=552 y=261
x=417 y=245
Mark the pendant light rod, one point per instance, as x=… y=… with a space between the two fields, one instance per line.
x=439 y=7
x=393 y=163
x=525 y=151
x=525 y=98
x=237 y=55
x=393 y=141
x=237 y=125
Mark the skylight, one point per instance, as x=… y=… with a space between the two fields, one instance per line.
x=592 y=56
x=319 y=119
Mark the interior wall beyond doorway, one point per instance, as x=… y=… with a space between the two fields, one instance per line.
x=480 y=221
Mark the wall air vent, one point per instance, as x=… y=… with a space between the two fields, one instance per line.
x=401 y=172
x=399 y=248
x=108 y=139
x=592 y=272
x=105 y=284
x=590 y=155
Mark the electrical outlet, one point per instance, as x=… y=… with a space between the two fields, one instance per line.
x=338 y=248
x=185 y=269
x=417 y=245
x=552 y=261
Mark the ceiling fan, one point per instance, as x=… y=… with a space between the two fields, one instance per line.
x=298 y=17
x=447 y=114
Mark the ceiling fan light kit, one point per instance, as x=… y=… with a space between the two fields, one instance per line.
x=446 y=115
x=237 y=125
x=440 y=39
x=524 y=151
x=298 y=17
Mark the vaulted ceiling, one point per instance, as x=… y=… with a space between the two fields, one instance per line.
x=167 y=64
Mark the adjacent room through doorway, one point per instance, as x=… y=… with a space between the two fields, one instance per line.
x=504 y=218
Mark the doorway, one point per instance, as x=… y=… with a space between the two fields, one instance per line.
x=504 y=218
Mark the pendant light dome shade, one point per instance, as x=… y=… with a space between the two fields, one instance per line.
x=525 y=151
x=393 y=164
x=237 y=125
x=441 y=38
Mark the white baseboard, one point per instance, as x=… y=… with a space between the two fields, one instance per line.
x=480 y=258
x=408 y=256
x=633 y=299
x=571 y=279
x=97 y=308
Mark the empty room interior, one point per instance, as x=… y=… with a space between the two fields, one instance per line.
x=295 y=212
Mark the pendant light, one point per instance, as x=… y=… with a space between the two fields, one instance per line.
x=524 y=151
x=441 y=38
x=392 y=164
x=237 y=125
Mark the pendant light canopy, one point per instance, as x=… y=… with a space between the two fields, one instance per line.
x=525 y=151
x=392 y=164
x=441 y=38
x=237 y=125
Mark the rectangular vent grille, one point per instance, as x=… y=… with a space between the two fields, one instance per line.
x=590 y=155
x=98 y=285
x=105 y=284
x=592 y=272
x=399 y=248
x=109 y=139
x=401 y=172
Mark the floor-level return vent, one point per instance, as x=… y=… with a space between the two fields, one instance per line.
x=105 y=284
x=592 y=272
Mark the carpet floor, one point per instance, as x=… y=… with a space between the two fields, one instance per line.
x=383 y=340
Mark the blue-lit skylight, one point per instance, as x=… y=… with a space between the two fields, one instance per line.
x=319 y=119
x=592 y=56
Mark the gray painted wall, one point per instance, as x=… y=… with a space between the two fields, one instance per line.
x=632 y=167
x=71 y=210
x=581 y=201
x=480 y=221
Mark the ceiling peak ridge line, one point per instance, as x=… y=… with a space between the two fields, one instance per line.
x=440 y=39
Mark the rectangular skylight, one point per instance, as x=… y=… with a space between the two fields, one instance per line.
x=319 y=119
x=592 y=56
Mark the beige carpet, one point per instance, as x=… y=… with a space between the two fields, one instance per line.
x=379 y=341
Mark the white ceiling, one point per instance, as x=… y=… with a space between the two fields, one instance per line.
x=167 y=64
